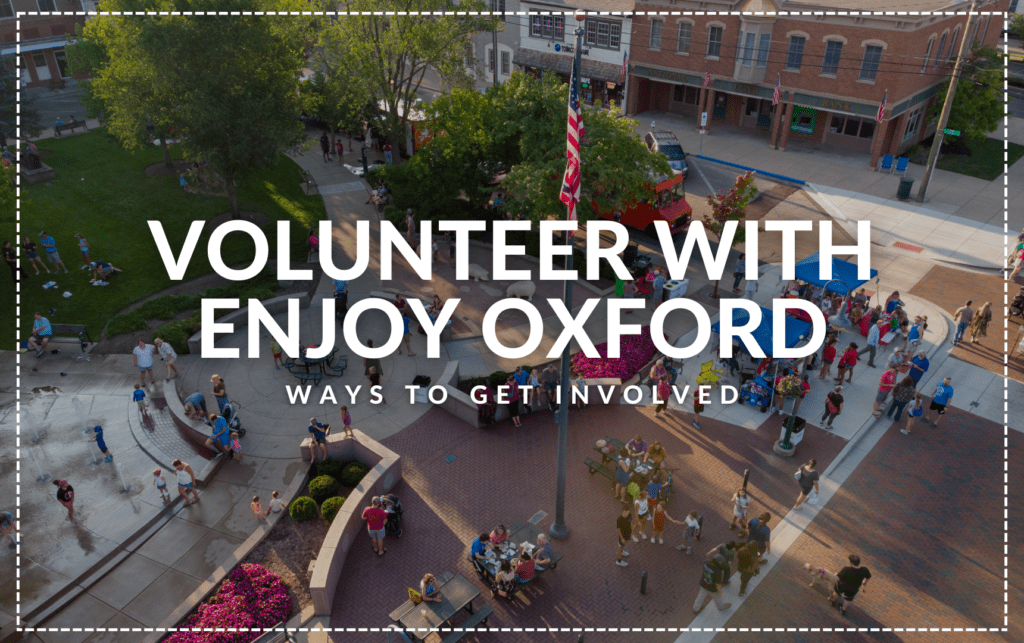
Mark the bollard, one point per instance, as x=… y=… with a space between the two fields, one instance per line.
x=746 y=477
x=643 y=582
x=580 y=639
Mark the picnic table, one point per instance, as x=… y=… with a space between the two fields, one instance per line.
x=458 y=593
x=322 y=362
x=609 y=455
x=528 y=533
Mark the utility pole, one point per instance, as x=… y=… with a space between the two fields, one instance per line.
x=933 y=155
x=494 y=41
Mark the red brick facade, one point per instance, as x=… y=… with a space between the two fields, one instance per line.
x=41 y=39
x=826 y=100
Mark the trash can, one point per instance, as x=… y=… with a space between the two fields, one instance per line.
x=903 y=193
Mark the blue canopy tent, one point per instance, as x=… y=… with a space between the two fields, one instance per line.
x=795 y=329
x=845 y=272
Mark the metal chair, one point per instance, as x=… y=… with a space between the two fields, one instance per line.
x=901 y=165
x=886 y=163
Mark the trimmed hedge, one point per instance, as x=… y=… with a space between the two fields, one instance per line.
x=352 y=474
x=322 y=487
x=331 y=507
x=302 y=508
x=331 y=468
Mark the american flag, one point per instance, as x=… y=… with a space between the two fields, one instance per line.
x=625 y=62
x=707 y=76
x=775 y=96
x=880 y=116
x=574 y=133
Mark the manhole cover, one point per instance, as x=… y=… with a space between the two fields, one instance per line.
x=450 y=458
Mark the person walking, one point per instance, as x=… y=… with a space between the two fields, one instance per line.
x=737 y=272
x=915 y=411
x=901 y=396
x=9 y=528
x=624 y=531
x=142 y=356
x=847 y=362
x=387 y=153
x=711 y=582
x=833 y=407
x=874 y=335
x=979 y=325
x=750 y=289
x=374 y=378
x=325 y=147
x=407 y=333
x=692 y=532
x=376 y=518
x=760 y=533
x=50 y=246
x=885 y=384
x=940 y=399
x=747 y=562
x=168 y=356
x=808 y=477
x=66 y=497
x=727 y=551
x=963 y=317
x=220 y=392
x=101 y=444
x=32 y=255
x=740 y=500
x=664 y=390
x=83 y=246
x=852 y=579
x=17 y=273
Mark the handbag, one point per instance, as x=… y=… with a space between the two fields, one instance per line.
x=415 y=597
x=799 y=474
x=830 y=406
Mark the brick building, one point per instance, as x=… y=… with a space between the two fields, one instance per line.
x=833 y=70
x=43 y=38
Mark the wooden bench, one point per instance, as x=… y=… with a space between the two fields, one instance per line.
x=306 y=377
x=597 y=467
x=479 y=617
x=79 y=332
x=409 y=606
x=68 y=127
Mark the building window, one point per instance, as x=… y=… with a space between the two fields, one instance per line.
x=804 y=120
x=747 y=48
x=928 y=53
x=498 y=6
x=490 y=59
x=604 y=34
x=685 y=94
x=985 y=31
x=6 y=10
x=796 y=53
x=655 y=42
x=833 y=53
x=685 y=35
x=506 y=64
x=913 y=123
x=952 y=45
x=869 y=66
x=47 y=5
x=938 y=54
x=714 y=42
x=762 y=49
x=550 y=27
x=852 y=126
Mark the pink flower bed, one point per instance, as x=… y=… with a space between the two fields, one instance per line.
x=251 y=597
x=634 y=350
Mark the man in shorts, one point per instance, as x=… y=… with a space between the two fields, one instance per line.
x=624 y=530
x=376 y=518
x=50 y=246
x=168 y=355
x=760 y=533
x=41 y=333
x=940 y=399
x=142 y=356
x=318 y=432
x=550 y=378
x=8 y=528
x=100 y=271
x=186 y=481
x=852 y=579
x=221 y=436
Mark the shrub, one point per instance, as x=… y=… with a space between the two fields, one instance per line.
x=322 y=487
x=634 y=350
x=395 y=216
x=331 y=468
x=302 y=508
x=918 y=154
x=331 y=507
x=176 y=333
x=168 y=306
x=497 y=378
x=251 y=597
x=353 y=473
x=126 y=323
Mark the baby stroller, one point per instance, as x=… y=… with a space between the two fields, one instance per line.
x=234 y=424
x=392 y=505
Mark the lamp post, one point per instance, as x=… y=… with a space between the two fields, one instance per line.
x=558 y=527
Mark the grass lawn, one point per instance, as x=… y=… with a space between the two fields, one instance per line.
x=986 y=161
x=102 y=191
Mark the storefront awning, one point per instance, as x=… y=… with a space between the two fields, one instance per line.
x=562 y=63
x=56 y=42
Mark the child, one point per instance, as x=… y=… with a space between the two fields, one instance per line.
x=659 y=518
x=236 y=446
x=276 y=504
x=698 y=408
x=101 y=444
x=161 y=484
x=339 y=148
x=256 y=509
x=181 y=180
x=915 y=411
x=346 y=422
x=140 y=398
x=275 y=348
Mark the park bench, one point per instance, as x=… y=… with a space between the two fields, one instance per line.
x=597 y=467
x=340 y=366
x=409 y=606
x=68 y=127
x=70 y=333
x=307 y=377
x=479 y=617
x=308 y=182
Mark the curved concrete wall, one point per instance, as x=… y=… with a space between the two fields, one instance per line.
x=274 y=305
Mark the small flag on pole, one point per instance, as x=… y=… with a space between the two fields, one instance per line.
x=625 y=62
x=570 y=195
x=880 y=116
x=707 y=77
x=778 y=84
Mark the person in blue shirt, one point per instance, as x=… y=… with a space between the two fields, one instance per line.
x=940 y=399
x=478 y=552
x=50 y=246
x=220 y=435
x=918 y=367
x=41 y=332
x=408 y=334
x=319 y=433
x=340 y=286
x=101 y=444
x=658 y=289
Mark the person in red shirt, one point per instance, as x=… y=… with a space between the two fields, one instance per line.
x=828 y=355
x=525 y=568
x=885 y=385
x=847 y=363
x=375 y=518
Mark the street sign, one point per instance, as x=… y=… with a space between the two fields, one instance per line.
x=703 y=119
x=951 y=132
x=702 y=131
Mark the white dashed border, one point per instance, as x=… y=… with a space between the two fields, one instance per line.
x=1006 y=125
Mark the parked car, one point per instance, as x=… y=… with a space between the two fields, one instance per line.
x=668 y=144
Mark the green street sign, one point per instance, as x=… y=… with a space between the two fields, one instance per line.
x=951 y=132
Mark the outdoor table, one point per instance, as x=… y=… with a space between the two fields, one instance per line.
x=609 y=456
x=456 y=594
x=642 y=471
x=323 y=362
x=507 y=550
x=528 y=533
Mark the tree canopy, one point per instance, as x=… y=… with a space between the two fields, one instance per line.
x=978 y=103
x=9 y=81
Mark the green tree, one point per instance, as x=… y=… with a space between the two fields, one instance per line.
x=731 y=206
x=335 y=101
x=386 y=56
x=978 y=103
x=238 y=114
x=9 y=81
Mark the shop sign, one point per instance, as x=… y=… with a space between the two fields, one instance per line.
x=670 y=76
x=835 y=105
